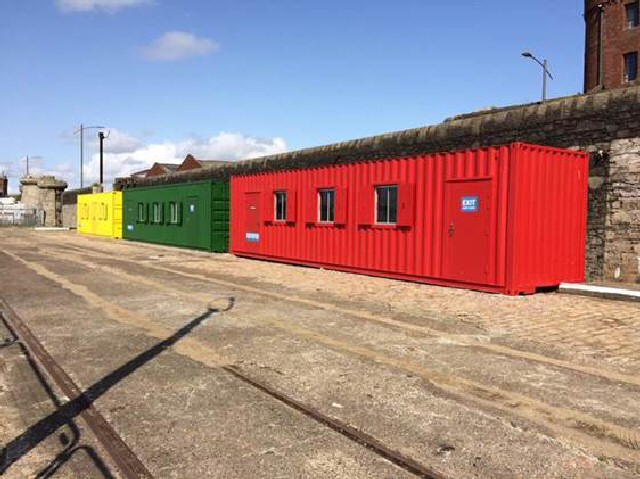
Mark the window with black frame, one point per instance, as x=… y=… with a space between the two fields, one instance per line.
x=631 y=66
x=387 y=205
x=280 y=200
x=633 y=14
x=327 y=205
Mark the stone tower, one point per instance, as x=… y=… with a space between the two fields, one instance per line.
x=612 y=43
x=44 y=194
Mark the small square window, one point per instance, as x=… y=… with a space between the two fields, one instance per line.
x=174 y=213
x=631 y=66
x=142 y=213
x=327 y=205
x=633 y=15
x=280 y=199
x=387 y=205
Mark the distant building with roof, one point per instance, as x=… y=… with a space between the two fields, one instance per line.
x=4 y=186
x=192 y=163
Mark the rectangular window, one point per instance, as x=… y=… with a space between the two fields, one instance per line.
x=327 y=205
x=174 y=213
x=631 y=66
x=386 y=205
x=633 y=15
x=280 y=198
x=156 y=216
x=142 y=210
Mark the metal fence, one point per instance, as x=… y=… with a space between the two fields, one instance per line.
x=20 y=217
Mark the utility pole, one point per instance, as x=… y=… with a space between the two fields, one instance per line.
x=81 y=155
x=101 y=137
x=28 y=159
x=81 y=131
x=545 y=72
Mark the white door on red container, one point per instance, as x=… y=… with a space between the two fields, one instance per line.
x=467 y=228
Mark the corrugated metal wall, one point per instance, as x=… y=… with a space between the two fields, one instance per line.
x=100 y=214
x=201 y=221
x=413 y=248
x=549 y=224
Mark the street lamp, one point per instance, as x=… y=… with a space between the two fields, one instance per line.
x=545 y=72
x=81 y=131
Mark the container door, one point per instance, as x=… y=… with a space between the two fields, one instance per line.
x=252 y=222
x=193 y=222
x=467 y=231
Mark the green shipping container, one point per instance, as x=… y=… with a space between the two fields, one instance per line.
x=191 y=215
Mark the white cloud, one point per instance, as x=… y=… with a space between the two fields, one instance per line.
x=119 y=142
x=231 y=147
x=177 y=45
x=110 y=6
x=223 y=146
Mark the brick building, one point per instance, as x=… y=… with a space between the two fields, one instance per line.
x=192 y=163
x=160 y=169
x=4 y=186
x=612 y=43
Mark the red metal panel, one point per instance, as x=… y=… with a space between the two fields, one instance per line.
x=536 y=223
x=341 y=206
x=267 y=210
x=548 y=217
x=406 y=204
x=365 y=205
x=292 y=206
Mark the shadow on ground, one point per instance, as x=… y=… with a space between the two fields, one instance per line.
x=67 y=412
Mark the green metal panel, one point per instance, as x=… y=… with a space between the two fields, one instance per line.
x=219 y=216
x=191 y=215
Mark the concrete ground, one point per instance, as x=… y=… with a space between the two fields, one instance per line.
x=468 y=384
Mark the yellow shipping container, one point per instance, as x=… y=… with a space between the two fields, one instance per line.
x=100 y=214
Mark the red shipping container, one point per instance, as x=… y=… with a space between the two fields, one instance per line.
x=509 y=219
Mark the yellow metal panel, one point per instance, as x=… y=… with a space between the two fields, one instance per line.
x=100 y=214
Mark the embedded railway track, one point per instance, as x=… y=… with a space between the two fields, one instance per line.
x=126 y=461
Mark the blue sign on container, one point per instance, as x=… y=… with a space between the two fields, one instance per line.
x=252 y=237
x=470 y=204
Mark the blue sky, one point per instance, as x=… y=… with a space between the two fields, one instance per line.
x=230 y=79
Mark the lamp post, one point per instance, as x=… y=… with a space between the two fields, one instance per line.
x=81 y=131
x=545 y=72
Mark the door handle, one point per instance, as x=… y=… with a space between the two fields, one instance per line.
x=452 y=229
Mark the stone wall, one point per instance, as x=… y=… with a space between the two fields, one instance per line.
x=70 y=206
x=607 y=124
x=622 y=223
x=44 y=194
